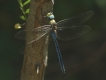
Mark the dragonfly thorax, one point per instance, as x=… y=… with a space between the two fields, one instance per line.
x=52 y=22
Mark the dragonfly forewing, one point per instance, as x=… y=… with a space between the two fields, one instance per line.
x=40 y=32
x=41 y=35
x=75 y=21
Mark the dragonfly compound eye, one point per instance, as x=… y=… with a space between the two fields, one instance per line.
x=51 y=16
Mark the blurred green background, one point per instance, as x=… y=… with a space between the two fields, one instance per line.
x=84 y=58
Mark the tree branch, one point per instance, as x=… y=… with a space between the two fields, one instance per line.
x=35 y=57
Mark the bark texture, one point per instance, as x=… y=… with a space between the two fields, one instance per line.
x=36 y=53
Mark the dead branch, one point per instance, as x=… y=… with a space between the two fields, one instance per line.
x=35 y=57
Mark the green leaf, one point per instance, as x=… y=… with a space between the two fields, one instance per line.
x=23 y=17
x=20 y=3
x=27 y=11
x=27 y=2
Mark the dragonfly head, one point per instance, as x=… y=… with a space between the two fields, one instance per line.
x=50 y=15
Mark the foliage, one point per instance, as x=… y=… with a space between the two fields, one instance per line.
x=25 y=12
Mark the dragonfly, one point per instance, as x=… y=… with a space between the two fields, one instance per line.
x=66 y=29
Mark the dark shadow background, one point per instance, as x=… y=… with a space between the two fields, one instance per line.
x=84 y=58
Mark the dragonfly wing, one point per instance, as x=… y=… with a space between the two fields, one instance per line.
x=21 y=35
x=75 y=21
x=40 y=32
x=39 y=35
x=72 y=33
